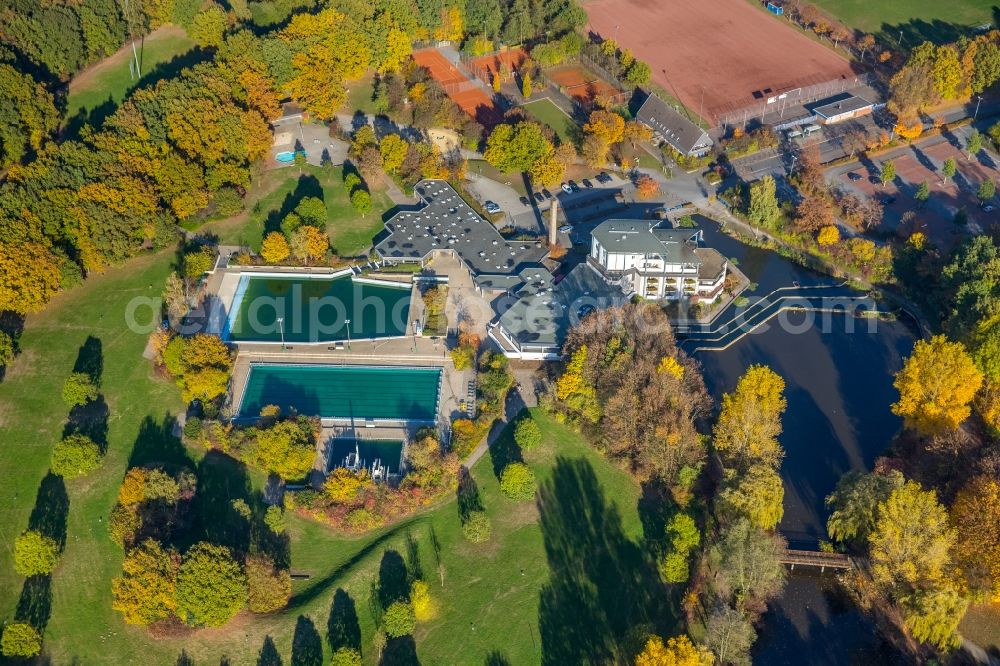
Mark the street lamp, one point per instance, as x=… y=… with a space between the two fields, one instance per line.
x=281 y=328
x=979 y=100
x=347 y=322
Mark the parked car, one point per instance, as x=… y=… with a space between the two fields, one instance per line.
x=524 y=201
x=566 y=228
x=573 y=186
x=854 y=176
x=603 y=177
x=566 y=188
x=874 y=180
x=538 y=197
x=491 y=207
x=546 y=193
x=587 y=183
x=989 y=208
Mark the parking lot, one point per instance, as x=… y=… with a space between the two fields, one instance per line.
x=914 y=165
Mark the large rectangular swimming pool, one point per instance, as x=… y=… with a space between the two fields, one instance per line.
x=344 y=391
x=316 y=309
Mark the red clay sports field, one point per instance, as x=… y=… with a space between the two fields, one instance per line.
x=726 y=50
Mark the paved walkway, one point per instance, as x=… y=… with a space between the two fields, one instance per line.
x=523 y=395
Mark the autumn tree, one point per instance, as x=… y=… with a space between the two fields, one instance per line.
x=750 y=421
x=677 y=651
x=209 y=26
x=517 y=482
x=211 y=586
x=936 y=385
x=976 y=517
x=749 y=563
x=518 y=147
x=923 y=193
x=986 y=190
x=527 y=434
x=344 y=486
x=683 y=536
x=636 y=132
x=268 y=587
x=948 y=170
x=393 y=149
x=855 y=502
x=79 y=389
x=35 y=554
x=398 y=619
x=29 y=276
x=27 y=115
x=888 y=172
x=762 y=204
x=646 y=187
x=274 y=248
x=361 y=201
x=813 y=213
x=729 y=635
x=145 y=592
x=309 y=243
x=286 y=449
x=827 y=236
x=756 y=495
x=20 y=640
x=974 y=144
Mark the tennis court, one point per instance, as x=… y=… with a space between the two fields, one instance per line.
x=580 y=83
x=344 y=391
x=314 y=309
x=464 y=92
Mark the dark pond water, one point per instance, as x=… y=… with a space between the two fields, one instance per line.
x=838 y=375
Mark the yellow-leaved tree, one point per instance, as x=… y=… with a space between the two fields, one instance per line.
x=936 y=386
x=274 y=249
x=575 y=390
x=750 y=421
x=677 y=651
x=976 y=516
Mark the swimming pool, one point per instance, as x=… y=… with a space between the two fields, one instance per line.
x=389 y=451
x=288 y=156
x=344 y=391
x=316 y=308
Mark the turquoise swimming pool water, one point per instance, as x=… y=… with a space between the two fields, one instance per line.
x=386 y=450
x=316 y=309
x=286 y=156
x=344 y=391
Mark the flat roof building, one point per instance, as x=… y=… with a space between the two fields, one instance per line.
x=840 y=108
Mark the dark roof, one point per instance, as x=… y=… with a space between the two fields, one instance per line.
x=841 y=104
x=675 y=129
x=446 y=222
x=645 y=237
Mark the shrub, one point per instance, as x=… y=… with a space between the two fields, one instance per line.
x=476 y=527
x=399 y=620
x=517 y=482
x=145 y=592
x=346 y=656
x=20 y=639
x=527 y=434
x=192 y=428
x=344 y=486
x=79 y=389
x=268 y=588
x=75 y=455
x=361 y=520
x=123 y=523
x=35 y=554
x=274 y=518
x=6 y=349
x=228 y=201
x=828 y=235
x=211 y=586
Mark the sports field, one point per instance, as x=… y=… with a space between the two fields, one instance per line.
x=547 y=113
x=580 y=83
x=716 y=56
x=338 y=391
x=919 y=20
x=467 y=94
x=509 y=61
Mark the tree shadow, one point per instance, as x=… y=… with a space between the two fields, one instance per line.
x=655 y=507
x=496 y=658
x=34 y=606
x=276 y=546
x=184 y=659
x=400 y=651
x=221 y=481
x=268 y=655
x=602 y=584
x=51 y=509
x=413 y=558
x=504 y=451
x=469 y=499
x=306 y=186
x=307 y=646
x=90 y=359
x=90 y=419
x=393 y=579
x=342 y=628
x=157 y=443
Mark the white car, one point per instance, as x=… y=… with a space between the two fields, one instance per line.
x=491 y=207
x=566 y=188
x=566 y=228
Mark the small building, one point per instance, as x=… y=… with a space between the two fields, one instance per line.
x=840 y=108
x=671 y=127
x=657 y=263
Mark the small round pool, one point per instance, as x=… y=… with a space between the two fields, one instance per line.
x=287 y=156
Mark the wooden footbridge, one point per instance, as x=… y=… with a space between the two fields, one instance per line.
x=812 y=558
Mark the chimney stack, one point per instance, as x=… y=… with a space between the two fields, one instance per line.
x=554 y=222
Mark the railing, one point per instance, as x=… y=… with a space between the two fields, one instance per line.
x=810 y=558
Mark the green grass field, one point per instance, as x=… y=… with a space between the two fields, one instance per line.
x=547 y=113
x=110 y=79
x=919 y=20
x=500 y=595
x=282 y=189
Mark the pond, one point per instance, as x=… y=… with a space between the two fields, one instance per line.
x=838 y=376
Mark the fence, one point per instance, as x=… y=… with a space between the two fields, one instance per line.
x=787 y=100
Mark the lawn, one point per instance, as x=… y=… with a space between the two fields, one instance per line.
x=574 y=563
x=111 y=80
x=546 y=112
x=919 y=20
x=280 y=190
x=359 y=95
